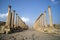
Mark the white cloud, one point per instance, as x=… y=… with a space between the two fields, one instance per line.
x=3 y=15
x=55 y=1
x=52 y=0
x=25 y=19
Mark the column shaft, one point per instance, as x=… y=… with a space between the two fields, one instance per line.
x=8 y=22
x=50 y=15
x=45 y=19
x=13 y=14
x=16 y=20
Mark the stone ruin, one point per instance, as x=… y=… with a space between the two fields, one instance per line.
x=41 y=23
x=13 y=24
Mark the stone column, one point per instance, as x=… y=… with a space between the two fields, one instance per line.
x=8 y=22
x=45 y=19
x=13 y=14
x=38 y=21
x=50 y=15
x=19 y=22
x=16 y=20
x=42 y=19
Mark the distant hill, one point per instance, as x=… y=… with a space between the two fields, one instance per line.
x=2 y=23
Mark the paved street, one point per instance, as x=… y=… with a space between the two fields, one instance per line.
x=29 y=35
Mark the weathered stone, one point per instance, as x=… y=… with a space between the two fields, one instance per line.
x=50 y=15
x=45 y=19
x=12 y=22
x=8 y=22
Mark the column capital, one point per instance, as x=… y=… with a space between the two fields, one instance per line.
x=49 y=6
x=45 y=11
x=13 y=10
x=9 y=6
x=16 y=14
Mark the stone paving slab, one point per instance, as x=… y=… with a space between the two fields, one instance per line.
x=29 y=35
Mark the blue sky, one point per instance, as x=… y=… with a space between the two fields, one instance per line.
x=29 y=10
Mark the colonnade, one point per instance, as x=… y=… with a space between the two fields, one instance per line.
x=13 y=22
x=41 y=21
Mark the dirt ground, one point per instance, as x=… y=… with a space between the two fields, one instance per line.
x=29 y=35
